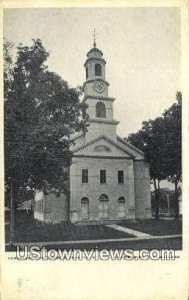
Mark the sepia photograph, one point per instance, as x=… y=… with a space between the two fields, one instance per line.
x=93 y=134
x=86 y=162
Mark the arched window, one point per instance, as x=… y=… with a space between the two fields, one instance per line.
x=121 y=207
x=103 y=197
x=85 y=208
x=86 y=72
x=98 y=70
x=100 y=110
x=103 y=207
x=121 y=200
x=84 y=200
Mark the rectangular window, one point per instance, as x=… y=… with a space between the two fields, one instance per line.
x=102 y=176
x=85 y=176
x=120 y=176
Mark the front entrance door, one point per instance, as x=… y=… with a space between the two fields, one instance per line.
x=103 y=207
x=121 y=210
x=103 y=210
x=74 y=217
x=85 y=209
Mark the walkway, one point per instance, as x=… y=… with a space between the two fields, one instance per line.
x=128 y=230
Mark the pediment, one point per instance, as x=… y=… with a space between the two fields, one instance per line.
x=102 y=146
x=138 y=154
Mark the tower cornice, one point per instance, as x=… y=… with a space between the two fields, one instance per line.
x=96 y=79
x=105 y=121
x=98 y=98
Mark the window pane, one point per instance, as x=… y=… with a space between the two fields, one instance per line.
x=98 y=70
x=102 y=176
x=100 y=110
x=120 y=176
x=103 y=197
x=85 y=176
x=121 y=200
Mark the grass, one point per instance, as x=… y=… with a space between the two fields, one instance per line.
x=155 y=227
x=29 y=230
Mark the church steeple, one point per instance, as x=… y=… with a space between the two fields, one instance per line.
x=95 y=65
x=100 y=106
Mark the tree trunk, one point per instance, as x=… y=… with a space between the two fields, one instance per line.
x=156 y=188
x=13 y=204
x=176 y=204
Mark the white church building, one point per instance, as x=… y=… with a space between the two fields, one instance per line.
x=109 y=178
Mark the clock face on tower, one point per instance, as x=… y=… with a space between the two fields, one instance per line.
x=99 y=87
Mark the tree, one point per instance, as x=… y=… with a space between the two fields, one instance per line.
x=160 y=140
x=173 y=125
x=151 y=139
x=41 y=113
x=8 y=66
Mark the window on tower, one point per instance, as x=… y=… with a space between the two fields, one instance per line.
x=98 y=70
x=86 y=72
x=100 y=110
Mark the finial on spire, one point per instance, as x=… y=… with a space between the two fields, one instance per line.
x=94 y=35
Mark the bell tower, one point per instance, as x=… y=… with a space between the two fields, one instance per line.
x=95 y=73
x=100 y=105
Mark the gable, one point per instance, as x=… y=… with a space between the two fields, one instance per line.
x=102 y=146
x=138 y=154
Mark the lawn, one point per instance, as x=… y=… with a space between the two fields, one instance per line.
x=29 y=230
x=155 y=227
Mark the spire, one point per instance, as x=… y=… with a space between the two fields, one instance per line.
x=94 y=35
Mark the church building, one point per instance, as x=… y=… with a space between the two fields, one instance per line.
x=108 y=179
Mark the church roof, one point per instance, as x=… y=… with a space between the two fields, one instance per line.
x=94 y=49
x=76 y=136
x=96 y=59
x=130 y=145
x=135 y=151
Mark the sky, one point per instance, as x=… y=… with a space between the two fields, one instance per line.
x=141 y=46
